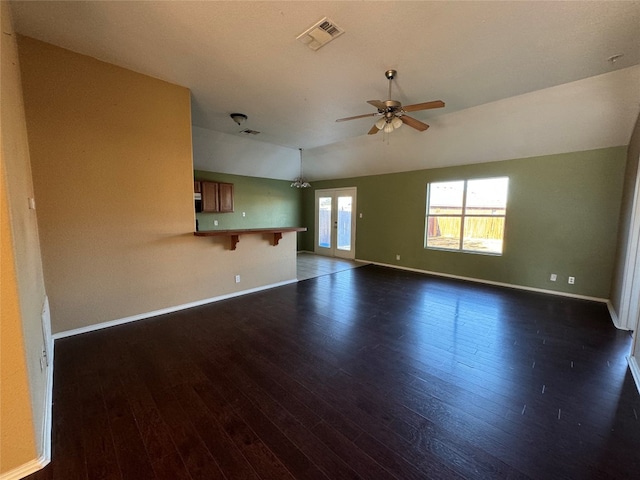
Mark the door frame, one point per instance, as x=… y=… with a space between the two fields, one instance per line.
x=629 y=314
x=334 y=193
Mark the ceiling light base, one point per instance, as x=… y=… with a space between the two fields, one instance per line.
x=239 y=118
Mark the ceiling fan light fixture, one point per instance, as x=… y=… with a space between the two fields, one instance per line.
x=394 y=115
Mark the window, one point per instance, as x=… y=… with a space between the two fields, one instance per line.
x=467 y=215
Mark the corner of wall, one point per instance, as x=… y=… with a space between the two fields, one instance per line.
x=26 y=410
x=614 y=316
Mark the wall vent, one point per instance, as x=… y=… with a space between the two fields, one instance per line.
x=320 y=34
x=248 y=131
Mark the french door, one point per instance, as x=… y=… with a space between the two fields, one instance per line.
x=336 y=222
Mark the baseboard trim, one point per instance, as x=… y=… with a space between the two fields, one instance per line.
x=44 y=459
x=155 y=313
x=614 y=316
x=489 y=282
x=635 y=370
x=48 y=411
x=48 y=394
x=28 y=468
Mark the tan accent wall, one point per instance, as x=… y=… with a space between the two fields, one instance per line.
x=113 y=176
x=22 y=381
x=17 y=440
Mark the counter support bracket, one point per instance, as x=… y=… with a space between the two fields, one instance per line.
x=234 y=235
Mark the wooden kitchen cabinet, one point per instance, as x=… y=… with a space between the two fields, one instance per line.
x=216 y=197
x=225 y=197
x=210 y=197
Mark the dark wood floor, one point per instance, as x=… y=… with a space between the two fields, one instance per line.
x=370 y=373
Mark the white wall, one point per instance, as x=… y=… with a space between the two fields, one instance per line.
x=238 y=155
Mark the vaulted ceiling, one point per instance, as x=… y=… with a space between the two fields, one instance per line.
x=510 y=73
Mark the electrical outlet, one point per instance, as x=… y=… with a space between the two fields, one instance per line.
x=237 y=278
x=360 y=215
x=398 y=257
x=572 y=280
x=244 y=214
x=553 y=277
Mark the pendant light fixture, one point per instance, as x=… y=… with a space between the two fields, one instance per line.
x=300 y=182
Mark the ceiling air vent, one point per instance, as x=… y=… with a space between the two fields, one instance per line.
x=248 y=131
x=320 y=34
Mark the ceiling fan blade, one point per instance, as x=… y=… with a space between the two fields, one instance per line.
x=412 y=122
x=423 y=106
x=373 y=130
x=380 y=105
x=358 y=116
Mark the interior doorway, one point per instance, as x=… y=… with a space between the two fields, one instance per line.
x=335 y=222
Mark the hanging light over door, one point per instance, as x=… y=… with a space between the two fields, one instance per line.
x=300 y=182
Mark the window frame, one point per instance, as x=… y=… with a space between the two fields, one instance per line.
x=463 y=215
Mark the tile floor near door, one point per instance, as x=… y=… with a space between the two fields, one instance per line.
x=311 y=265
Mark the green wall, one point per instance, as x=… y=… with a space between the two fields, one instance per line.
x=562 y=217
x=266 y=203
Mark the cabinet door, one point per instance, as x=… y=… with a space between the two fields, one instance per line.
x=210 y=197
x=226 y=197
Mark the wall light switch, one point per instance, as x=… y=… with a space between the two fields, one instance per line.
x=215 y=223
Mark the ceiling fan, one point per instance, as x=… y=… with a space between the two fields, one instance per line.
x=393 y=114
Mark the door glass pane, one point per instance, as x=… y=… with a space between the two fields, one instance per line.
x=443 y=232
x=343 y=241
x=445 y=198
x=324 y=222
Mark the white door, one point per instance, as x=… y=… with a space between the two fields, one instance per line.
x=336 y=222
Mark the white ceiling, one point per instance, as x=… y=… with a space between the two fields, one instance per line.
x=484 y=59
